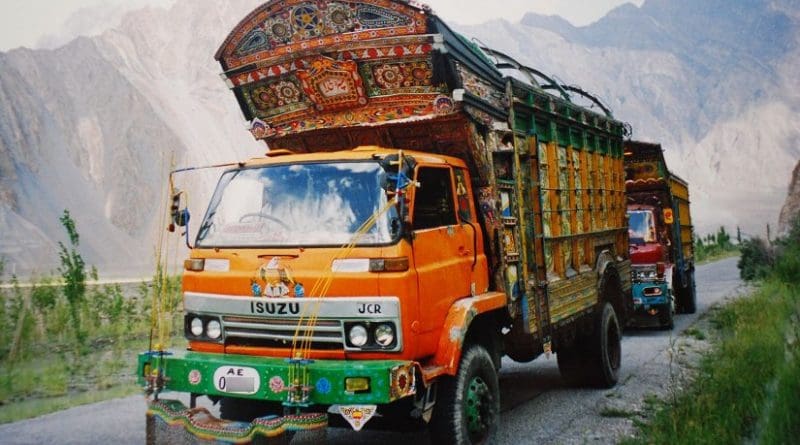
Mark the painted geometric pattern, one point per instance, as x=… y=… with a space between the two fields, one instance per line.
x=331 y=84
x=386 y=48
x=482 y=89
x=285 y=27
x=379 y=110
x=266 y=99
x=386 y=77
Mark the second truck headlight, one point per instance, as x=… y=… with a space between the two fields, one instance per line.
x=213 y=329
x=384 y=334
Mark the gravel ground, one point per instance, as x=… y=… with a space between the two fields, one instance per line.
x=536 y=406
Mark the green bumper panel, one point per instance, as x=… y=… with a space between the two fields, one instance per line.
x=266 y=378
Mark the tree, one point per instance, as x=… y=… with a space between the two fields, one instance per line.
x=738 y=235
x=756 y=260
x=723 y=239
x=73 y=270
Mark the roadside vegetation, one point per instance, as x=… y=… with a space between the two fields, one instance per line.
x=716 y=246
x=746 y=391
x=65 y=343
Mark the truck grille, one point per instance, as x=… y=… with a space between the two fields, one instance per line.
x=280 y=332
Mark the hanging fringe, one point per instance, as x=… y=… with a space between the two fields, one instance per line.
x=170 y=421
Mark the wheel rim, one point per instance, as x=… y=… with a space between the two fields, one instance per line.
x=479 y=409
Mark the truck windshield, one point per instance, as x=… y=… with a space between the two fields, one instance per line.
x=314 y=204
x=641 y=227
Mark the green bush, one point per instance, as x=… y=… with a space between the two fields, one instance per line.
x=44 y=295
x=787 y=266
x=756 y=260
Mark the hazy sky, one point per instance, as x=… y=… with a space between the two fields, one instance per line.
x=24 y=22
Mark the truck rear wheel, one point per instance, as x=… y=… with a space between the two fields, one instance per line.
x=687 y=296
x=604 y=350
x=468 y=405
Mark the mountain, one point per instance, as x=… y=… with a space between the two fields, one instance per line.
x=94 y=125
x=713 y=81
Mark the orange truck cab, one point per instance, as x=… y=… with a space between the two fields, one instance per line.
x=419 y=215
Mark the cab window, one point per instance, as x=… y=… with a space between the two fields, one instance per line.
x=433 y=201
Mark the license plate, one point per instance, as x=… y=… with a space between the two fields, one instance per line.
x=236 y=380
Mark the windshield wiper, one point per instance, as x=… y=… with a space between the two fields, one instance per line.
x=201 y=232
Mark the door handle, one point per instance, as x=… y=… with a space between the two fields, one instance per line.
x=463 y=251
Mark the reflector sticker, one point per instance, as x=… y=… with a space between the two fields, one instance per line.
x=195 y=377
x=358 y=415
x=276 y=384
x=323 y=386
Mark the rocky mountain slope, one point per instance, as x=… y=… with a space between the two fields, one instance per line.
x=93 y=125
x=714 y=81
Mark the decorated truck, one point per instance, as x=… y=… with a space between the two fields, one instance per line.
x=661 y=237
x=420 y=214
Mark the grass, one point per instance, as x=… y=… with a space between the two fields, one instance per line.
x=697 y=334
x=717 y=256
x=747 y=388
x=35 y=407
x=46 y=364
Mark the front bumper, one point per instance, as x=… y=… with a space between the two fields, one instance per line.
x=263 y=378
x=646 y=305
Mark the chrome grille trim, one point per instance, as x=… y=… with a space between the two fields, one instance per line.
x=282 y=329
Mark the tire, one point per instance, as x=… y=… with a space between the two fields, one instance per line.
x=572 y=366
x=667 y=320
x=468 y=405
x=690 y=304
x=245 y=410
x=604 y=351
x=687 y=296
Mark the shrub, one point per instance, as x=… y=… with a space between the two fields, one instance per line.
x=73 y=270
x=756 y=260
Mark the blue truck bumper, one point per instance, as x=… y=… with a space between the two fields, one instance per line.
x=651 y=300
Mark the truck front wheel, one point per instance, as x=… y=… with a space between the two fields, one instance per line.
x=468 y=405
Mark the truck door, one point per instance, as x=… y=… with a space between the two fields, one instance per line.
x=443 y=248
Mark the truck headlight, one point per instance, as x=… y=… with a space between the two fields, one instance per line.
x=358 y=335
x=196 y=326
x=213 y=329
x=384 y=334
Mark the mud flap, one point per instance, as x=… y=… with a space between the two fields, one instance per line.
x=171 y=422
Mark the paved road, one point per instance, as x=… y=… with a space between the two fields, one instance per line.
x=537 y=407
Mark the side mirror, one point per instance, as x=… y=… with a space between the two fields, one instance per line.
x=394 y=179
x=178 y=211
